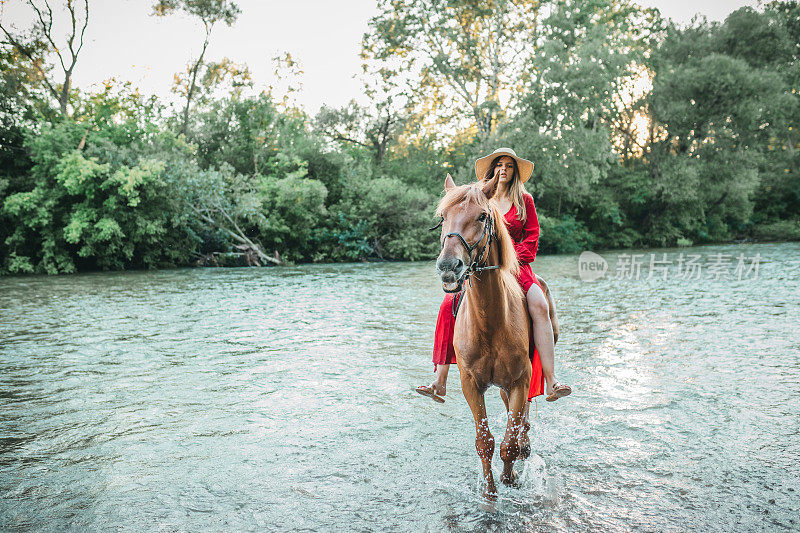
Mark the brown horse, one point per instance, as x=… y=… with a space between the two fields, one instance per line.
x=492 y=328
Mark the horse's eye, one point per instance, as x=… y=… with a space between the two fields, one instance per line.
x=482 y=218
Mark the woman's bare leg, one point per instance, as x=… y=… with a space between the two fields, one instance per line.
x=440 y=383
x=542 y=333
x=443 y=338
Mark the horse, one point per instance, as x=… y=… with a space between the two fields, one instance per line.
x=492 y=328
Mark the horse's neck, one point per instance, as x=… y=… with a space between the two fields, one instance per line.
x=486 y=295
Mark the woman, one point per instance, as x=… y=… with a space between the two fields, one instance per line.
x=523 y=225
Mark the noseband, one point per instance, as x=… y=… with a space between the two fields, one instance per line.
x=477 y=264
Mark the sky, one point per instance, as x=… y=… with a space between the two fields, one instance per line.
x=125 y=42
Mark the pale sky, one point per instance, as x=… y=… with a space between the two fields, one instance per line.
x=125 y=42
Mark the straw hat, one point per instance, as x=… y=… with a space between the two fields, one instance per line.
x=525 y=167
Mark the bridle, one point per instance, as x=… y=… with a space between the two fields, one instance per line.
x=477 y=264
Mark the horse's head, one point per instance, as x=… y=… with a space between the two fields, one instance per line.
x=467 y=227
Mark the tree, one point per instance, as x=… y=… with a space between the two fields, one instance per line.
x=772 y=43
x=372 y=128
x=293 y=206
x=461 y=58
x=210 y=12
x=109 y=206
x=42 y=40
x=714 y=109
x=222 y=77
x=387 y=219
x=239 y=132
x=225 y=201
x=573 y=103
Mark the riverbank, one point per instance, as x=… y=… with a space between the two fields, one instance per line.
x=240 y=259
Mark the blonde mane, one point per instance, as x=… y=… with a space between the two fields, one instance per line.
x=509 y=264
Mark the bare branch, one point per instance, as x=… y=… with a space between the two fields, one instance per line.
x=193 y=83
x=47 y=29
x=230 y=219
x=240 y=237
x=71 y=39
x=85 y=23
x=339 y=137
x=22 y=49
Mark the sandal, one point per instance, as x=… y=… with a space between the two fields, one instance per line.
x=430 y=392
x=559 y=391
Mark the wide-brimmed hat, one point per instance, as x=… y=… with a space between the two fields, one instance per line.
x=524 y=166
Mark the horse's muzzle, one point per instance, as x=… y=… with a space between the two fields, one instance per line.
x=451 y=270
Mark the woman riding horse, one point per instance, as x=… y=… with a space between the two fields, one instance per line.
x=523 y=225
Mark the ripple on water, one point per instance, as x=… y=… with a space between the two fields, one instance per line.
x=252 y=399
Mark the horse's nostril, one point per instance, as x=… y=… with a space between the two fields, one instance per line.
x=450 y=264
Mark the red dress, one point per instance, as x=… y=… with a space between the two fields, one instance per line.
x=526 y=243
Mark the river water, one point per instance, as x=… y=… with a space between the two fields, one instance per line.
x=282 y=399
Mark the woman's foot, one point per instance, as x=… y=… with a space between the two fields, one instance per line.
x=557 y=390
x=434 y=391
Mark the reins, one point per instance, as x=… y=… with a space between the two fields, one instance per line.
x=476 y=265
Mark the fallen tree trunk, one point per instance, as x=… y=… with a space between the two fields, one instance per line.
x=245 y=244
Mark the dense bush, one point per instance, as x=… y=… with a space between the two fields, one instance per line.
x=782 y=230
x=91 y=212
x=564 y=235
x=254 y=180
x=389 y=217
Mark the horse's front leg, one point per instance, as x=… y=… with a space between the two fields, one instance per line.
x=484 y=441
x=510 y=447
x=524 y=439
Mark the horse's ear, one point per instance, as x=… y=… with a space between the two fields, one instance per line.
x=490 y=186
x=448 y=182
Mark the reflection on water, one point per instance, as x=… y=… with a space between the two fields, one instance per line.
x=282 y=399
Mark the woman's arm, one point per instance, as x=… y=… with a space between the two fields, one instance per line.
x=527 y=247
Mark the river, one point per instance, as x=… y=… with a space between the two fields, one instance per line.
x=282 y=399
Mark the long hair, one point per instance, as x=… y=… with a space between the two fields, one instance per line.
x=516 y=188
x=507 y=256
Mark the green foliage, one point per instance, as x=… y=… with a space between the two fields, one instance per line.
x=254 y=138
x=461 y=55
x=113 y=187
x=209 y=11
x=294 y=207
x=563 y=235
x=84 y=212
x=344 y=239
x=18 y=111
x=242 y=133
x=781 y=230
x=395 y=218
x=372 y=129
x=422 y=166
x=722 y=106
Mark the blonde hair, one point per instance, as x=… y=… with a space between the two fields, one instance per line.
x=507 y=256
x=516 y=189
